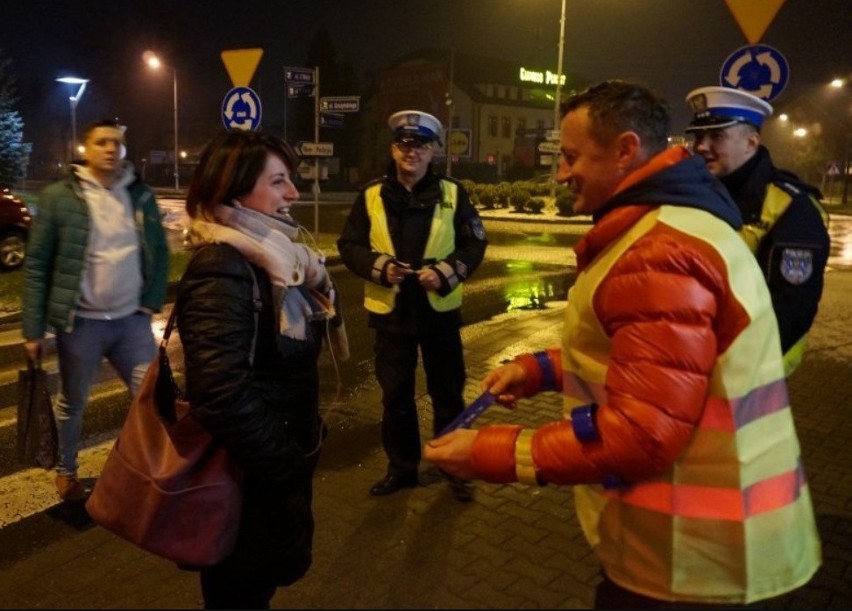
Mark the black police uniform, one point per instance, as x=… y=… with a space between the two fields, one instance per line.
x=413 y=323
x=800 y=230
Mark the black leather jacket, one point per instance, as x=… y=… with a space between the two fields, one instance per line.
x=265 y=413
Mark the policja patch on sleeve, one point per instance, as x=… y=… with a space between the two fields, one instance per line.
x=477 y=228
x=797 y=265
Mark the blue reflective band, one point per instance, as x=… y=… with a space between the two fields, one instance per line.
x=612 y=481
x=548 y=376
x=471 y=413
x=583 y=422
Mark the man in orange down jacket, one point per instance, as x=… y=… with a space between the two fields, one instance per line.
x=678 y=435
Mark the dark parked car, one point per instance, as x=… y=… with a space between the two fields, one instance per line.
x=15 y=221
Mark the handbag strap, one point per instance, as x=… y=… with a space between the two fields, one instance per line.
x=258 y=306
x=168 y=393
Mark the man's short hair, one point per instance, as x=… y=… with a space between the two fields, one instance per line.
x=102 y=123
x=618 y=106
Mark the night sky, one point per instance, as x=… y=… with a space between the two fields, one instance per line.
x=671 y=45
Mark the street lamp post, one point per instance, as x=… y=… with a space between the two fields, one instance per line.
x=154 y=62
x=74 y=99
x=558 y=98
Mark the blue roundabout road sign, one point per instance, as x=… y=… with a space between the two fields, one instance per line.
x=241 y=109
x=760 y=70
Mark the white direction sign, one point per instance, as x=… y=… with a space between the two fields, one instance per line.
x=315 y=149
x=304 y=76
x=347 y=103
x=546 y=146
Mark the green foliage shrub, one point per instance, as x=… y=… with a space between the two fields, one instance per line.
x=519 y=196
x=564 y=201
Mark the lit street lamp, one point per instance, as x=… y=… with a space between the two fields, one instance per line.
x=74 y=99
x=154 y=62
x=558 y=98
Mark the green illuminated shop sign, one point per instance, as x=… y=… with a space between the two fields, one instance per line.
x=542 y=78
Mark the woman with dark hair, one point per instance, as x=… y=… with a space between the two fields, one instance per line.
x=251 y=367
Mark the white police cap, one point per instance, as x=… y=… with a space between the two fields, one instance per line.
x=415 y=125
x=718 y=107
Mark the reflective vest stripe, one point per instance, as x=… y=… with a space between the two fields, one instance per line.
x=380 y=299
x=729 y=415
x=714 y=503
x=774 y=492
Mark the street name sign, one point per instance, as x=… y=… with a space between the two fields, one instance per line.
x=305 y=76
x=315 y=149
x=300 y=91
x=348 y=103
x=331 y=119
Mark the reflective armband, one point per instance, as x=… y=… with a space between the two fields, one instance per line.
x=524 y=465
x=545 y=366
x=586 y=430
x=612 y=481
x=583 y=423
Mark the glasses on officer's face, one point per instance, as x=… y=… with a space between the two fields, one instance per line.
x=416 y=146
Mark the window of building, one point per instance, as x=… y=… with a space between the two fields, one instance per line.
x=539 y=124
x=507 y=127
x=522 y=124
x=492 y=126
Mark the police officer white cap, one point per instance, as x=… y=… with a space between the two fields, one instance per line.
x=415 y=125
x=719 y=107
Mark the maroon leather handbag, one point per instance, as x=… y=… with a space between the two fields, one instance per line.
x=166 y=485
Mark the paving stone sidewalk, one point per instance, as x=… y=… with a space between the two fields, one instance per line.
x=512 y=547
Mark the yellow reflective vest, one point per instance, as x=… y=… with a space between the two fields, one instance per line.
x=732 y=519
x=441 y=242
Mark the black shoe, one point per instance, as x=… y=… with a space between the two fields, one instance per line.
x=462 y=490
x=394 y=482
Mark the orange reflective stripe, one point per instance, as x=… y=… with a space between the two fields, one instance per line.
x=774 y=492
x=718 y=415
x=685 y=501
x=712 y=503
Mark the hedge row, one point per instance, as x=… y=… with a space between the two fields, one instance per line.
x=522 y=196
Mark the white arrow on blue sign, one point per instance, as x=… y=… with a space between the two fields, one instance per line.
x=241 y=109
x=760 y=70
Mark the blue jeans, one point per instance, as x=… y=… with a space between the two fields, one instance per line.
x=127 y=343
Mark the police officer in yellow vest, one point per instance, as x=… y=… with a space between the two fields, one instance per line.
x=415 y=237
x=784 y=223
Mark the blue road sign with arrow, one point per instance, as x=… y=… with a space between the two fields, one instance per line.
x=758 y=69
x=241 y=109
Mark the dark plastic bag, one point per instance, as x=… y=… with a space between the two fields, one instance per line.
x=37 y=438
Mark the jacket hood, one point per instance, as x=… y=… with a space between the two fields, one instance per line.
x=686 y=183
